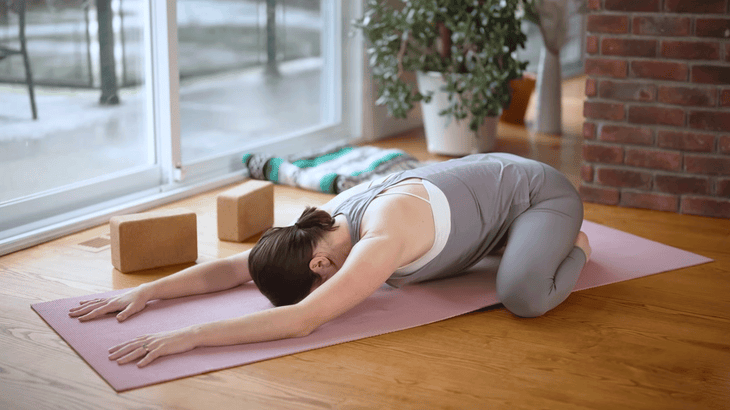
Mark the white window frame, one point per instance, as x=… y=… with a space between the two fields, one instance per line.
x=52 y=214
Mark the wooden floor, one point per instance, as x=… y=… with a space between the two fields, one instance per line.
x=659 y=342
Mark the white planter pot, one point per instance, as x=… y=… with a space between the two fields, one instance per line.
x=446 y=135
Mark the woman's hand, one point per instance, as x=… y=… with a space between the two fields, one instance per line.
x=150 y=347
x=128 y=304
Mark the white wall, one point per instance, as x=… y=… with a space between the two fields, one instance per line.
x=376 y=124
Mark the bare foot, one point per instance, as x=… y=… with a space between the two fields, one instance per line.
x=582 y=242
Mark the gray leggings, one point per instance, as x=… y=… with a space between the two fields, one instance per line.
x=541 y=263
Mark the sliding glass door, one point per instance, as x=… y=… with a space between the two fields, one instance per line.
x=85 y=82
x=139 y=102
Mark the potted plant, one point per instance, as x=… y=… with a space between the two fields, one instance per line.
x=463 y=54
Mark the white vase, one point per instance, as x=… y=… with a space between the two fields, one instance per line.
x=446 y=135
x=549 y=79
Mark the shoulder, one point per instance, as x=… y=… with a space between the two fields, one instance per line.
x=389 y=214
x=407 y=224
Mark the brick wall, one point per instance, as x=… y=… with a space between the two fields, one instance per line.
x=657 y=109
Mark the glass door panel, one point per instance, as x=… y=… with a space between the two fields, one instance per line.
x=74 y=122
x=250 y=71
x=86 y=60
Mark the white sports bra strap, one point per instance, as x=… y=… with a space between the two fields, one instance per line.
x=403 y=193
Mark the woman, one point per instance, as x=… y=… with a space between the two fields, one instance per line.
x=408 y=227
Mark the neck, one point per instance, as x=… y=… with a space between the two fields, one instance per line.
x=339 y=240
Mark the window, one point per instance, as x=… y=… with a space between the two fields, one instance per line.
x=140 y=103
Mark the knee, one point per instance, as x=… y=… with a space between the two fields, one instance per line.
x=522 y=300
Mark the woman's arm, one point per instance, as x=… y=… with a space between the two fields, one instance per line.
x=369 y=264
x=273 y=324
x=206 y=277
x=212 y=276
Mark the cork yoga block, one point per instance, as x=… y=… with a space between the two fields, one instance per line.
x=245 y=210
x=153 y=239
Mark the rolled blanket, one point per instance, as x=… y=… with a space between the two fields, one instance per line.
x=329 y=170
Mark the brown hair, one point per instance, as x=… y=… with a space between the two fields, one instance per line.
x=279 y=262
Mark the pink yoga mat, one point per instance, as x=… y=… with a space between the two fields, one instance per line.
x=617 y=256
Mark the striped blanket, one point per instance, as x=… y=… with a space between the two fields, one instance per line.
x=330 y=170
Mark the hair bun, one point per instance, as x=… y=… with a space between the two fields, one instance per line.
x=313 y=217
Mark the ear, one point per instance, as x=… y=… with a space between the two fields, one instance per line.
x=319 y=265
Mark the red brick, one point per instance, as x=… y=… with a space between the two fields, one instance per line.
x=628 y=47
x=623 y=178
x=659 y=70
x=723 y=145
x=591 y=87
x=727 y=52
x=647 y=200
x=654 y=159
x=603 y=111
x=710 y=120
x=656 y=115
x=601 y=195
x=627 y=91
x=607 y=68
x=608 y=23
x=681 y=184
x=686 y=141
x=589 y=130
x=691 y=50
x=594 y=4
x=711 y=74
x=706 y=206
x=632 y=5
x=701 y=97
x=586 y=173
x=725 y=98
x=591 y=44
x=695 y=6
x=605 y=154
x=707 y=165
x=626 y=135
x=712 y=28
x=722 y=187
x=661 y=26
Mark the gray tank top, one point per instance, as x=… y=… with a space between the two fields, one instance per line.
x=486 y=192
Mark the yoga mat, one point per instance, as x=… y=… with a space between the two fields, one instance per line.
x=617 y=256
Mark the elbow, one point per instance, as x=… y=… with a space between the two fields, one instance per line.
x=305 y=329
x=305 y=322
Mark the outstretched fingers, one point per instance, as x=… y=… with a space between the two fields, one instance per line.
x=140 y=347
x=129 y=350
x=86 y=307
x=137 y=341
x=83 y=302
x=99 y=311
x=130 y=310
x=150 y=347
x=152 y=355
x=132 y=355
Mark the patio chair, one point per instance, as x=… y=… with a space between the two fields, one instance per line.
x=23 y=51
